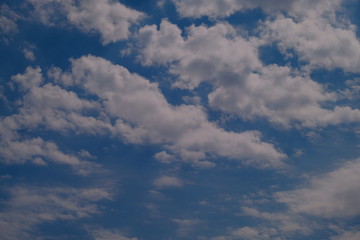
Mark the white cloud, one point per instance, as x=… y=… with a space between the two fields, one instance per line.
x=283 y=223
x=168 y=182
x=138 y=111
x=317 y=41
x=109 y=18
x=216 y=54
x=185 y=226
x=108 y=234
x=224 y=8
x=347 y=235
x=335 y=194
x=29 y=54
x=8 y=25
x=245 y=233
x=28 y=207
x=242 y=84
x=283 y=98
x=144 y=115
x=42 y=106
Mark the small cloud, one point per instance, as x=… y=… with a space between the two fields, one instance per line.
x=168 y=182
x=29 y=54
x=185 y=225
x=164 y=157
x=39 y=161
x=85 y=154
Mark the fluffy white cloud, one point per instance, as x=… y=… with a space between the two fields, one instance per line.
x=317 y=41
x=242 y=84
x=144 y=115
x=283 y=98
x=43 y=106
x=224 y=8
x=336 y=194
x=109 y=18
x=216 y=54
x=29 y=207
x=126 y=105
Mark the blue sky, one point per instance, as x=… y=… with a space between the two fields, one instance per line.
x=179 y=119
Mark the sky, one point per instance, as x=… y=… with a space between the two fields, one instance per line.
x=179 y=119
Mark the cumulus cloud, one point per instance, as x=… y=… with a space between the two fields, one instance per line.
x=43 y=106
x=242 y=84
x=316 y=41
x=126 y=106
x=28 y=207
x=216 y=54
x=109 y=18
x=224 y=8
x=335 y=194
x=143 y=115
x=283 y=98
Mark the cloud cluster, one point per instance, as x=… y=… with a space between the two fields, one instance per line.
x=109 y=18
x=333 y=195
x=28 y=207
x=142 y=114
x=225 y=8
x=42 y=107
x=242 y=85
x=8 y=23
x=127 y=106
x=317 y=41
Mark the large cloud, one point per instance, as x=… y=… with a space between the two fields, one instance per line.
x=125 y=105
x=109 y=18
x=317 y=41
x=142 y=114
x=242 y=84
x=43 y=107
x=216 y=54
x=336 y=194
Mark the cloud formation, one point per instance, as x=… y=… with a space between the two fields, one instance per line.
x=242 y=85
x=225 y=8
x=28 y=207
x=109 y=18
x=142 y=114
x=333 y=195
